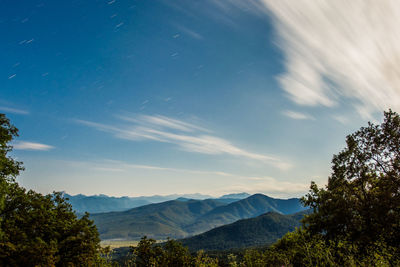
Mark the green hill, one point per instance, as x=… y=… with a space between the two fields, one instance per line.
x=159 y=221
x=260 y=231
x=250 y=207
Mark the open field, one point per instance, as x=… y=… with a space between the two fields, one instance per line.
x=117 y=243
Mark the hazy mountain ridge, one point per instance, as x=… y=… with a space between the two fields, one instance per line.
x=259 y=231
x=179 y=219
x=103 y=203
x=160 y=220
x=250 y=207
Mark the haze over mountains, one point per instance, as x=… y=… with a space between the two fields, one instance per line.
x=103 y=203
x=186 y=217
x=259 y=231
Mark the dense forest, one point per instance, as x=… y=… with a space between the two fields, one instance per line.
x=354 y=220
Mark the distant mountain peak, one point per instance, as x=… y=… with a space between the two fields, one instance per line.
x=236 y=195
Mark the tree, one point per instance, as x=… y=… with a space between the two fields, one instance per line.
x=36 y=229
x=9 y=168
x=169 y=254
x=361 y=202
x=146 y=253
x=175 y=255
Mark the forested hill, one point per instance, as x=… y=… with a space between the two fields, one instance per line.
x=161 y=220
x=182 y=218
x=246 y=208
x=260 y=231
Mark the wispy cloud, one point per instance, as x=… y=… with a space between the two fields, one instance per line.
x=186 y=136
x=340 y=50
x=115 y=165
x=235 y=183
x=22 y=145
x=162 y=122
x=13 y=110
x=228 y=6
x=185 y=30
x=297 y=115
x=341 y=118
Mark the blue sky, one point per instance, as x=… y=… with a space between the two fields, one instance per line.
x=160 y=97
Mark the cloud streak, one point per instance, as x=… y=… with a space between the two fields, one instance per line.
x=236 y=182
x=186 y=136
x=22 y=145
x=120 y=166
x=189 y=32
x=297 y=115
x=340 y=51
x=13 y=110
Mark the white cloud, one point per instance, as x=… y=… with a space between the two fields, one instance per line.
x=189 y=32
x=297 y=115
x=121 y=166
x=234 y=182
x=186 y=136
x=13 y=110
x=22 y=145
x=341 y=118
x=162 y=122
x=340 y=50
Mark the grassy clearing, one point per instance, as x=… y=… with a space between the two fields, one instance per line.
x=113 y=243
x=118 y=243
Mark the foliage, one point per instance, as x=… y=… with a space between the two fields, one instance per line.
x=361 y=202
x=38 y=230
x=9 y=168
x=203 y=260
x=300 y=248
x=171 y=253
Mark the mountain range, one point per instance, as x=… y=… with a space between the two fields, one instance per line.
x=103 y=203
x=187 y=217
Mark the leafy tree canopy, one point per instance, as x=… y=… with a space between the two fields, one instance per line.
x=170 y=254
x=361 y=202
x=36 y=229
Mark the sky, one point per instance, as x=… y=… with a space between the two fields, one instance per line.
x=131 y=98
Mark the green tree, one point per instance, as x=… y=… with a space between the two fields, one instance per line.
x=175 y=255
x=36 y=229
x=147 y=253
x=9 y=168
x=203 y=260
x=361 y=202
x=170 y=254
